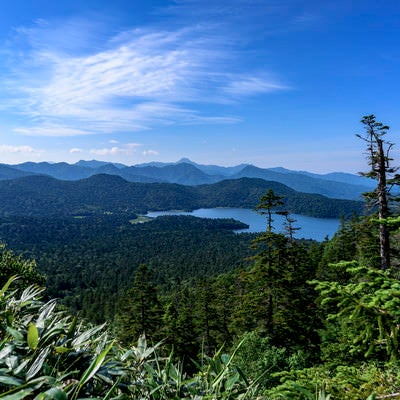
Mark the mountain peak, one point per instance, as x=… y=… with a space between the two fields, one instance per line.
x=185 y=160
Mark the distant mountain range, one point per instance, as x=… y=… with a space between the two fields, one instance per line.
x=186 y=172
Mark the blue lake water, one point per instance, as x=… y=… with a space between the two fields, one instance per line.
x=311 y=228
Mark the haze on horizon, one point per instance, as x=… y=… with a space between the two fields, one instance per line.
x=263 y=82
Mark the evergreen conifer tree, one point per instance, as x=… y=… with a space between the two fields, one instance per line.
x=379 y=160
x=140 y=309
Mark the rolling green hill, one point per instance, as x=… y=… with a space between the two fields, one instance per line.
x=99 y=194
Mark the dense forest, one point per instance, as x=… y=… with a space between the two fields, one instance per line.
x=193 y=310
x=91 y=261
x=42 y=196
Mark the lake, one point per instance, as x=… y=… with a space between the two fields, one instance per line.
x=311 y=228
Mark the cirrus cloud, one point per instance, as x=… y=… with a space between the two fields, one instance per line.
x=134 y=81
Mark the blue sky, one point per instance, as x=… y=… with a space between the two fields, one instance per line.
x=266 y=82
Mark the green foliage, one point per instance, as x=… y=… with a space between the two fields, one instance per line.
x=274 y=295
x=259 y=359
x=343 y=246
x=356 y=239
x=378 y=150
x=268 y=205
x=10 y=264
x=90 y=262
x=140 y=310
x=179 y=328
x=364 y=382
x=45 y=354
x=367 y=307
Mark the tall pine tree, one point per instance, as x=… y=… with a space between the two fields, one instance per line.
x=140 y=310
x=379 y=160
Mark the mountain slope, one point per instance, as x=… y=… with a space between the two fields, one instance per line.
x=246 y=192
x=96 y=164
x=99 y=194
x=305 y=183
x=182 y=173
x=8 y=172
x=186 y=172
x=60 y=170
x=215 y=169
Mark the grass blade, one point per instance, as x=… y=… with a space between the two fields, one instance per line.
x=95 y=365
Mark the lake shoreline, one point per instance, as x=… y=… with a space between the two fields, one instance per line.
x=310 y=227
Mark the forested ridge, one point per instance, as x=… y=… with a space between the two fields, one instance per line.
x=45 y=196
x=195 y=311
x=186 y=172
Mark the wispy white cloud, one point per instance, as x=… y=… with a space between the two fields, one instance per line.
x=106 y=151
x=134 y=81
x=150 y=153
x=4 y=149
x=53 y=130
x=124 y=149
x=252 y=85
x=260 y=17
x=132 y=146
x=76 y=150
